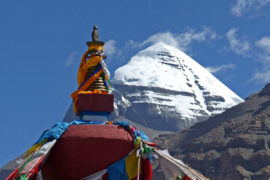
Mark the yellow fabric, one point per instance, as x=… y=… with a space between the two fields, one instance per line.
x=132 y=165
x=137 y=142
x=96 y=91
x=74 y=95
x=106 y=78
x=82 y=72
x=93 y=61
x=35 y=148
x=79 y=76
x=84 y=66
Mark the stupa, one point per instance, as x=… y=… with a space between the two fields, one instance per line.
x=93 y=100
x=93 y=148
x=98 y=147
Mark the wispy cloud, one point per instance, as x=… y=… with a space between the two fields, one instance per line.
x=182 y=41
x=71 y=58
x=243 y=6
x=217 y=69
x=263 y=75
x=166 y=37
x=264 y=43
x=110 y=47
x=185 y=39
x=239 y=46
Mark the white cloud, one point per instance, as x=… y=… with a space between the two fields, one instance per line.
x=71 y=58
x=263 y=75
x=166 y=37
x=264 y=43
x=110 y=48
x=132 y=44
x=185 y=39
x=243 y=6
x=179 y=40
x=217 y=69
x=240 y=47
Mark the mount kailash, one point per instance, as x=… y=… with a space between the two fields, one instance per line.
x=163 y=88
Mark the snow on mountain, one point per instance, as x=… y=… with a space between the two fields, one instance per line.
x=163 y=88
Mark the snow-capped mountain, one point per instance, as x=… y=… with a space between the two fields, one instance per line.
x=163 y=88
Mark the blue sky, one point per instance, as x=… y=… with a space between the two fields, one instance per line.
x=41 y=43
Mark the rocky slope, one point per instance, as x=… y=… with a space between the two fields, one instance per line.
x=163 y=88
x=232 y=145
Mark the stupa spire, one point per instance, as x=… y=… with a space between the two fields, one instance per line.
x=93 y=80
x=95 y=36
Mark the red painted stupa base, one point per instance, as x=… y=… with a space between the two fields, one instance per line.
x=86 y=149
x=95 y=103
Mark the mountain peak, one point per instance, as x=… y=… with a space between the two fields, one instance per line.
x=159 y=46
x=167 y=81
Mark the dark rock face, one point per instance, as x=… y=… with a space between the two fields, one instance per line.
x=265 y=91
x=232 y=145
